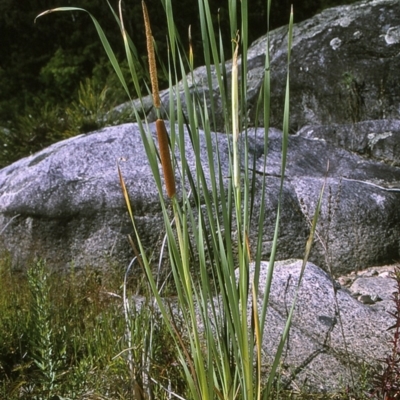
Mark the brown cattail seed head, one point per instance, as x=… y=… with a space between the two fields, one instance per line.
x=152 y=58
x=166 y=163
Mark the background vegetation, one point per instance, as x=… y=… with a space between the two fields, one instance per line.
x=66 y=337
x=43 y=65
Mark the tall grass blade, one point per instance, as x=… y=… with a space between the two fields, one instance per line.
x=285 y=139
x=285 y=333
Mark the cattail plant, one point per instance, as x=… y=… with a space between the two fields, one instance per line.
x=216 y=343
x=162 y=134
x=165 y=156
x=152 y=58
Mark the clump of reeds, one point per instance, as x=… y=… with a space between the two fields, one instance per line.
x=216 y=344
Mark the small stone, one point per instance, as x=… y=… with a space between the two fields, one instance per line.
x=375 y=298
x=365 y=299
x=335 y=43
x=369 y=272
x=345 y=281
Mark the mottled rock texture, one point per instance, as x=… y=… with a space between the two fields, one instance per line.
x=343 y=69
x=65 y=203
x=376 y=139
x=333 y=336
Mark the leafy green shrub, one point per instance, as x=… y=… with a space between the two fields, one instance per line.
x=89 y=112
x=41 y=126
x=13 y=323
x=60 y=73
x=67 y=336
x=45 y=124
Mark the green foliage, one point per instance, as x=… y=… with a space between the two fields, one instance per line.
x=48 y=60
x=47 y=356
x=66 y=336
x=60 y=74
x=43 y=125
x=46 y=123
x=89 y=113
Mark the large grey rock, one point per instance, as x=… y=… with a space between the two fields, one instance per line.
x=344 y=69
x=65 y=203
x=334 y=341
x=379 y=139
x=360 y=206
x=332 y=336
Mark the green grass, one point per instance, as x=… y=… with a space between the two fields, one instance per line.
x=67 y=336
